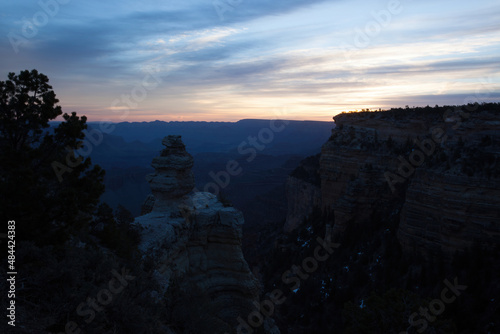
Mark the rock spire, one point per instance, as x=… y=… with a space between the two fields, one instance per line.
x=173 y=178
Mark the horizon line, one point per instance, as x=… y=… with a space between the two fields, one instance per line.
x=194 y=121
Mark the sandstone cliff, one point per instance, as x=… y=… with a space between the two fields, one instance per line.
x=302 y=197
x=303 y=192
x=449 y=213
x=194 y=241
x=438 y=169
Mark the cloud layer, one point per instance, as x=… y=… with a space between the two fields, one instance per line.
x=234 y=59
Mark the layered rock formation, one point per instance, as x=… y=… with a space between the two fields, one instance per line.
x=448 y=213
x=437 y=169
x=303 y=192
x=352 y=175
x=173 y=178
x=194 y=240
x=302 y=197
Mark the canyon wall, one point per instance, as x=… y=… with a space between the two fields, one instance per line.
x=449 y=213
x=302 y=196
x=437 y=169
x=303 y=192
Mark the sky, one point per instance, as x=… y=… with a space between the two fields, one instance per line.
x=226 y=60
